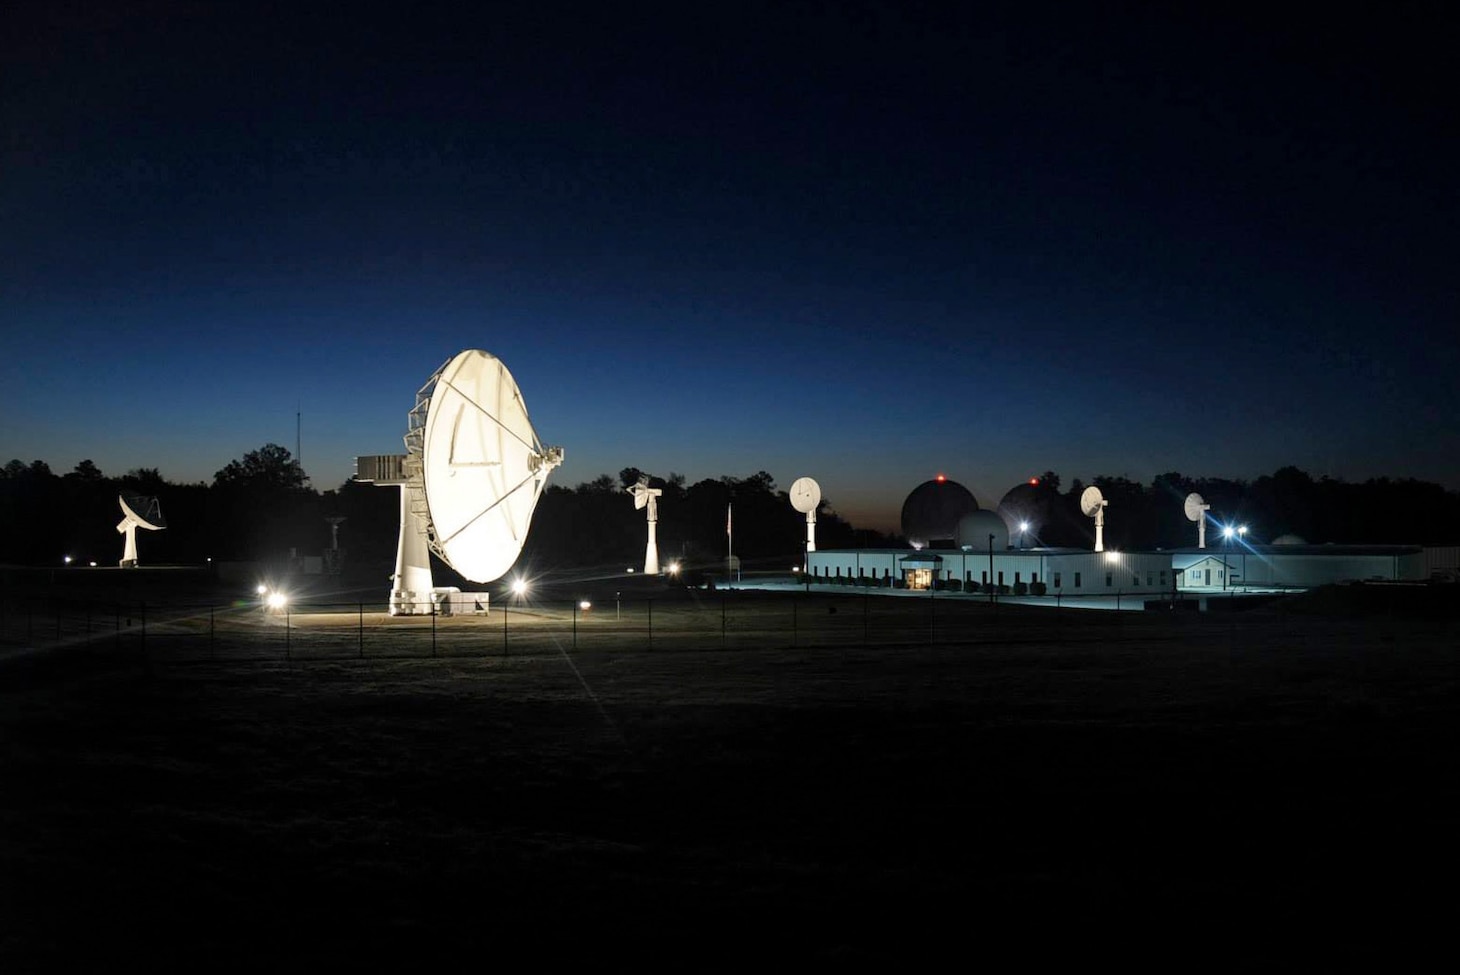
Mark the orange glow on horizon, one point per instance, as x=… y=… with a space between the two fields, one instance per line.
x=941 y=478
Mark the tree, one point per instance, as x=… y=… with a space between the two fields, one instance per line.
x=86 y=471
x=269 y=467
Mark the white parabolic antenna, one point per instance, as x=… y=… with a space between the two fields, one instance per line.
x=481 y=465
x=1196 y=508
x=805 y=496
x=1093 y=503
x=137 y=512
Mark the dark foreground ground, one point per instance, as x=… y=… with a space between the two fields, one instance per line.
x=1169 y=793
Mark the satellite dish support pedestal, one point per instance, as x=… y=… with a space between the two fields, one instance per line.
x=410 y=589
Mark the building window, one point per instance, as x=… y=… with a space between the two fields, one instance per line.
x=1150 y=578
x=1001 y=577
x=1077 y=580
x=1016 y=578
x=1109 y=580
x=1135 y=581
x=1056 y=580
x=985 y=577
x=1163 y=578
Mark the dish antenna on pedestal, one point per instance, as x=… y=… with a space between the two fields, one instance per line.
x=805 y=496
x=137 y=512
x=1093 y=503
x=645 y=496
x=470 y=478
x=1196 y=508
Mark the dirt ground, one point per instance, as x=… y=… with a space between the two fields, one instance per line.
x=1206 y=792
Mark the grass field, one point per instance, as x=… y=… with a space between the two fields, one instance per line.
x=1207 y=792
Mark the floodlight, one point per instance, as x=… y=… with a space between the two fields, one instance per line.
x=67 y=560
x=261 y=589
x=519 y=586
x=585 y=605
x=1226 y=531
x=1112 y=556
x=277 y=600
x=674 y=568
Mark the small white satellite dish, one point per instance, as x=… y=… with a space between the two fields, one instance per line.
x=137 y=512
x=647 y=497
x=470 y=478
x=805 y=496
x=1093 y=503
x=1196 y=508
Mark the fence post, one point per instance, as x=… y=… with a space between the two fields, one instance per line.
x=650 y=604
x=504 y=624
x=575 y=624
x=287 y=610
x=360 y=633
x=793 y=621
x=433 y=631
x=722 y=622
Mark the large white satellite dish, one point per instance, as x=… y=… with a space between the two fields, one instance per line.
x=471 y=476
x=1196 y=508
x=805 y=496
x=1093 y=503
x=137 y=512
x=647 y=497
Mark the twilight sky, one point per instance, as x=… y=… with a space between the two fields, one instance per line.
x=866 y=242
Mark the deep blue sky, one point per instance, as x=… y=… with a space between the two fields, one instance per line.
x=858 y=241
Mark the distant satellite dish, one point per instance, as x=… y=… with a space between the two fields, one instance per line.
x=1093 y=503
x=471 y=476
x=647 y=497
x=1196 y=508
x=137 y=512
x=805 y=496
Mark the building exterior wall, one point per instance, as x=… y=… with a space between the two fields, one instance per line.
x=1070 y=573
x=1299 y=570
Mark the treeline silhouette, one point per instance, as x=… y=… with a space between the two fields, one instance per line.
x=261 y=507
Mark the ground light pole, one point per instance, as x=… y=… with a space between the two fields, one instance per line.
x=991 y=566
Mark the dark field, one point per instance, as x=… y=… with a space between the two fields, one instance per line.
x=1219 y=790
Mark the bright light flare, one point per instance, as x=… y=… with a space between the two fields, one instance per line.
x=674 y=568
x=519 y=586
x=1112 y=556
x=277 y=600
x=261 y=589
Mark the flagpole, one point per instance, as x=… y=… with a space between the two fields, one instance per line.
x=729 y=543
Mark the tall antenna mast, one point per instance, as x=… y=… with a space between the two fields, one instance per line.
x=647 y=497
